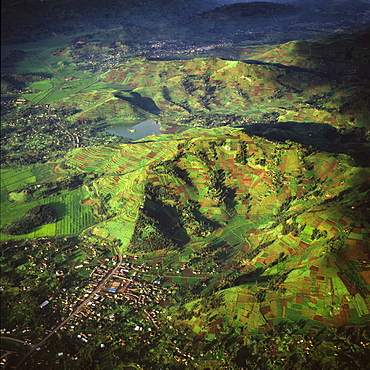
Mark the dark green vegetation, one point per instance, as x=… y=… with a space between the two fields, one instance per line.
x=39 y=270
x=177 y=23
x=36 y=216
x=237 y=239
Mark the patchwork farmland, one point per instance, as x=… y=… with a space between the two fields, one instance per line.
x=178 y=90
x=238 y=238
x=289 y=217
x=73 y=216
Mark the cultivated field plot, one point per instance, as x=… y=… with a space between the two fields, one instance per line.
x=213 y=86
x=120 y=159
x=72 y=215
x=11 y=179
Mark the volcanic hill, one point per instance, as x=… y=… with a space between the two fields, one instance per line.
x=236 y=238
x=286 y=228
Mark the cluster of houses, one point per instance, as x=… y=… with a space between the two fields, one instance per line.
x=162 y=49
x=132 y=280
x=125 y=283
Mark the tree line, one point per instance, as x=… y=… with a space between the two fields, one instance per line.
x=36 y=216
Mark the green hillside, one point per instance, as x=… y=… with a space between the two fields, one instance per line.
x=291 y=222
x=324 y=82
x=237 y=237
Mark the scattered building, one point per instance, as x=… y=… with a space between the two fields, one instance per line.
x=43 y=304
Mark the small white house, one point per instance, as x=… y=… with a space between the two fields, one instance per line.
x=43 y=304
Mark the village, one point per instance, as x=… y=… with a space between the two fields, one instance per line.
x=39 y=133
x=118 y=281
x=87 y=303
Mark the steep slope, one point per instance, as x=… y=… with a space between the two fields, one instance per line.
x=277 y=232
x=182 y=91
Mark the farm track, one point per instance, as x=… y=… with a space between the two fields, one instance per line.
x=50 y=92
x=83 y=88
x=74 y=138
x=49 y=66
x=2 y=337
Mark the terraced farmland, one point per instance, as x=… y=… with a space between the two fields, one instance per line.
x=294 y=222
x=72 y=215
x=271 y=80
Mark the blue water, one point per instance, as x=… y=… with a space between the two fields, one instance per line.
x=138 y=131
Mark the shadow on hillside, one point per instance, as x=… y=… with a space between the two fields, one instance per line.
x=252 y=277
x=283 y=66
x=141 y=102
x=60 y=209
x=320 y=136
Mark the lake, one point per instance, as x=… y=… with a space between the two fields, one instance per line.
x=138 y=131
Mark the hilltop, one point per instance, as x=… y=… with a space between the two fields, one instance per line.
x=343 y=6
x=236 y=236
x=271 y=233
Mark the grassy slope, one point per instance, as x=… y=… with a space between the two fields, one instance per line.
x=329 y=197
x=72 y=215
x=215 y=86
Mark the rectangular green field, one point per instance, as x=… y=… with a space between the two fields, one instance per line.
x=72 y=215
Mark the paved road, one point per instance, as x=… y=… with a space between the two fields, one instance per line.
x=75 y=312
x=74 y=138
x=2 y=337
